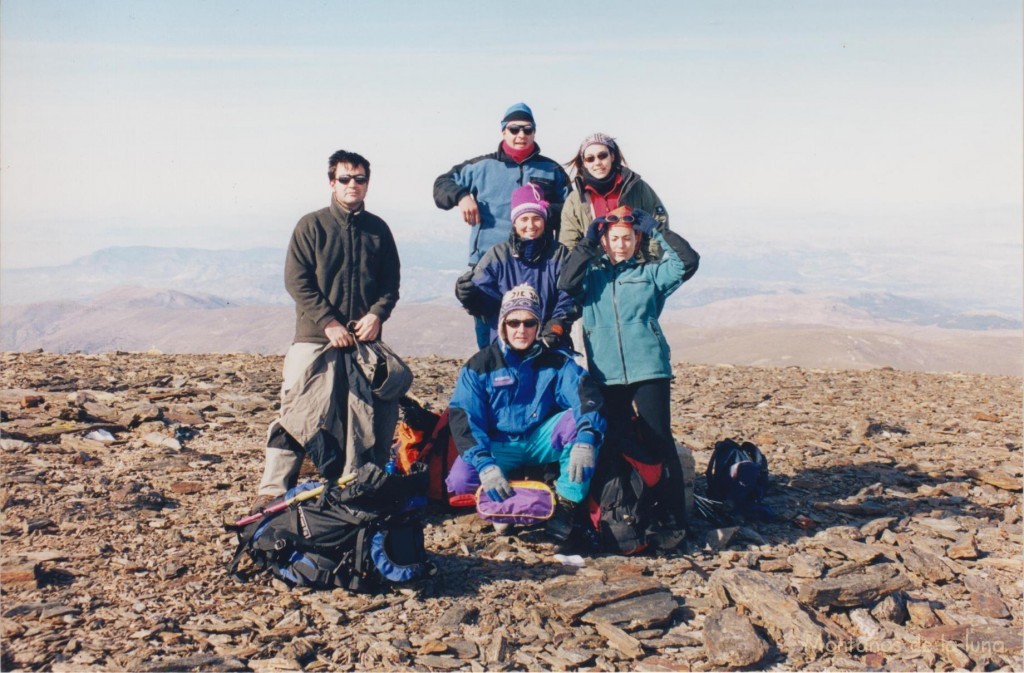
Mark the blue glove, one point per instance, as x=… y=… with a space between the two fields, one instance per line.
x=644 y=222
x=596 y=230
x=495 y=485
x=581 y=462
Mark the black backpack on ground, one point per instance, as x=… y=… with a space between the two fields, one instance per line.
x=737 y=474
x=363 y=536
x=620 y=504
x=619 y=508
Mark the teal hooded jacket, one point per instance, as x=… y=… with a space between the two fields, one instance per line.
x=621 y=306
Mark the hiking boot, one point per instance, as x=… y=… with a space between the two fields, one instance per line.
x=260 y=503
x=668 y=538
x=669 y=530
x=559 y=526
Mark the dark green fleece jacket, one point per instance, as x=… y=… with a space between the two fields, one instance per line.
x=340 y=266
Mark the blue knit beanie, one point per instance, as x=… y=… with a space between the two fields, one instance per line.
x=520 y=112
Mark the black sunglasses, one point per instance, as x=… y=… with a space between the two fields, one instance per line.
x=612 y=219
x=345 y=179
x=600 y=156
x=514 y=130
x=528 y=324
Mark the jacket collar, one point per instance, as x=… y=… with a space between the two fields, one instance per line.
x=342 y=214
x=545 y=242
x=502 y=156
x=629 y=178
x=516 y=358
x=624 y=264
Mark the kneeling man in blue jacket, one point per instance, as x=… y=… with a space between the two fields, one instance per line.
x=518 y=404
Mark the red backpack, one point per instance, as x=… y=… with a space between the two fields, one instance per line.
x=424 y=437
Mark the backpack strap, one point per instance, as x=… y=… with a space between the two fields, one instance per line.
x=245 y=542
x=431 y=443
x=362 y=563
x=755 y=455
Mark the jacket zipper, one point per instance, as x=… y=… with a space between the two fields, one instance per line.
x=352 y=267
x=618 y=325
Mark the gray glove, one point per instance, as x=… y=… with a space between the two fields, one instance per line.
x=581 y=462
x=495 y=485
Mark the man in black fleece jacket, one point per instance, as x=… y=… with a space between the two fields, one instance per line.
x=343 y=272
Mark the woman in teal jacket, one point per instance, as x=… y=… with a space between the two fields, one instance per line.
x=622 y=298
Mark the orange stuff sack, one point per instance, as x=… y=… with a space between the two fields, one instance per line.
x=423 y=437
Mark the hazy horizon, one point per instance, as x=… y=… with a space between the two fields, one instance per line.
x=893 y=126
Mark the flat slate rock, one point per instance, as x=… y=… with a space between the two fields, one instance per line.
x=201 y=662
x=854 y=590
x=571 y=596
x=978 y=638
x=642 y=612
x=778 y=612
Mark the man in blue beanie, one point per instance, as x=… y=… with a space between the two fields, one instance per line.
x=482 y=188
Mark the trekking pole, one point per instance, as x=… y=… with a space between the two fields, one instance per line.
x=343 y=481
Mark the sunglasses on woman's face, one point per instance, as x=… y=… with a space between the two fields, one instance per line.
x=345 y=179
x=612 y=219
x=600 y=156
x=516 y=324
x=515 y=130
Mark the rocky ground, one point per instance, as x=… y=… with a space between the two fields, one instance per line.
x=898 y=544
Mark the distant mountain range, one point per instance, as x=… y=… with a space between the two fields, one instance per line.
x=252 y=276
x=193 y=300
x=815 y=332
x=429 y=269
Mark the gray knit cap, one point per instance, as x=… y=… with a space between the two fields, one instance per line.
x=598 y=139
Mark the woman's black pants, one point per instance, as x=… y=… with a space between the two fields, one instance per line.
x=649 y=402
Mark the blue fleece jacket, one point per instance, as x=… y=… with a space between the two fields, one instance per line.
x=491 y=179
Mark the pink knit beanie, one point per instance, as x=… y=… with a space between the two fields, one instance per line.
x=529 y=199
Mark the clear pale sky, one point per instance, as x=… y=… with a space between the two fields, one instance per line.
x=208 y=124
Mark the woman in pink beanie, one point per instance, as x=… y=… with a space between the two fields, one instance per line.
x=531 y=255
